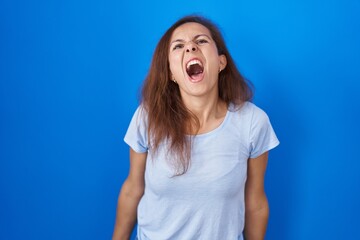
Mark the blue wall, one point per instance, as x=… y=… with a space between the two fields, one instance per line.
x=70 y=73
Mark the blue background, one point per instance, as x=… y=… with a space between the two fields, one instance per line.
x=70 y=73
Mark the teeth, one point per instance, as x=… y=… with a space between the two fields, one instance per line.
x=192 y=62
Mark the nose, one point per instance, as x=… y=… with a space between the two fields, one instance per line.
x=191 y=47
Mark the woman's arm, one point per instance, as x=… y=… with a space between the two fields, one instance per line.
x=129 y=197
x=256 y=204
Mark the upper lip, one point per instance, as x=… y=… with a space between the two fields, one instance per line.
x=192 y=59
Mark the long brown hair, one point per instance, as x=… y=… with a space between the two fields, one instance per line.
x=168 y=117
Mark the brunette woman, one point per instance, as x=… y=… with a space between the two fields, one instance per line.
x=198 y=146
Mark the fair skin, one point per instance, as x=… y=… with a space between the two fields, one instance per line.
x=192 y=41
x=256 y=204
x=129 y=197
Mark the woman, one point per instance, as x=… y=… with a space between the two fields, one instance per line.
x=198 y=147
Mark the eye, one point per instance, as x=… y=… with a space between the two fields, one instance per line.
x=178 y=46
x=201 y=41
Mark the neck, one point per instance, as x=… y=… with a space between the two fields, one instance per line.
x=209 y=111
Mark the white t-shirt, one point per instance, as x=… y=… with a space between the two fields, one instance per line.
x=207 y=202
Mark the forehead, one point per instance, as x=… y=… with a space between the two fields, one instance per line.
x=189 y=30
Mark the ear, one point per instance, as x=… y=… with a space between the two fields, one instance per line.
x=222 y=62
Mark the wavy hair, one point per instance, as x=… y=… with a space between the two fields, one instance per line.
x=168 y=118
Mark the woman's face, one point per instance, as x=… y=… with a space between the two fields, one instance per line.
x=194 y=60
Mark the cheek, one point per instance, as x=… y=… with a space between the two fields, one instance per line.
x=175 y=64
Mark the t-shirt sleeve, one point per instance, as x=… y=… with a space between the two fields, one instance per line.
x=262 y=135
x=136 y=135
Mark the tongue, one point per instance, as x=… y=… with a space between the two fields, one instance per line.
x=194 y=70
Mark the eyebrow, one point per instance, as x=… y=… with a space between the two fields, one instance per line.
x=196 y=37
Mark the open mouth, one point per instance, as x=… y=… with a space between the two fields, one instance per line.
x=194 y=69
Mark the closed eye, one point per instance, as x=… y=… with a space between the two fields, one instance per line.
x=201 y=41
x=178 y=46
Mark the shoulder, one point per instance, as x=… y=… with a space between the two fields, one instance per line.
x=136 y=135
x=139 y=120
x=140 y=115
x=248 y=116
x=140 y=111
x=258 y=114
x=248 y=110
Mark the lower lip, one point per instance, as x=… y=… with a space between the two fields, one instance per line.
x=197 y=78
